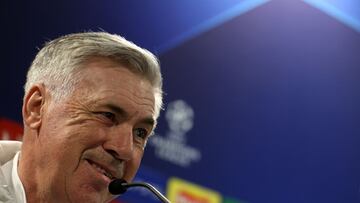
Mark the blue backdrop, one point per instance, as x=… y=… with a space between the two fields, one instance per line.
x=262 y=99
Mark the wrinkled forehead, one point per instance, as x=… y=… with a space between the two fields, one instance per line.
x=115 y=62
x=111 y=80
x=106 y=62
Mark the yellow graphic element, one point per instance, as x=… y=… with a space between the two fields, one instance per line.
x=180 y=191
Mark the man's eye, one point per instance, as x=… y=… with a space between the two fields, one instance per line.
x=108 y=115
x=141 y=133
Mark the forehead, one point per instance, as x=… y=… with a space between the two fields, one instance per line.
x=104 y=81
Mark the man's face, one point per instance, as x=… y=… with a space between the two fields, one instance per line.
x=95 y=134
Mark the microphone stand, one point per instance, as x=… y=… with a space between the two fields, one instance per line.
x=119 y=186
x=149 y=187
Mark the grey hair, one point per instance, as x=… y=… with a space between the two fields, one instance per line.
x=57 y=62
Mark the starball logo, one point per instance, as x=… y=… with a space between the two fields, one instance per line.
x=173 y=145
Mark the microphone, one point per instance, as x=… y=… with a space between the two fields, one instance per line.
x=119 y=186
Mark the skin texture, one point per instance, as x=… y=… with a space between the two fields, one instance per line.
x=106 y=120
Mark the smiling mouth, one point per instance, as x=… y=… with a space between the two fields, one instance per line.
x=100 y=169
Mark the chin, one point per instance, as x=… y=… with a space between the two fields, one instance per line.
x=90 y=195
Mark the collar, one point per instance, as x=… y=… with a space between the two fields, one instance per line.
x=18 y=186
x=11 y=188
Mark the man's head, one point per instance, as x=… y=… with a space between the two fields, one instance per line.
x=91 y=101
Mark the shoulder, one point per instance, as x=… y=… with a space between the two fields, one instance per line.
x=8 y=150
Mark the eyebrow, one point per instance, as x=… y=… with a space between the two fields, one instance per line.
x=118 y=110
x=149 y=121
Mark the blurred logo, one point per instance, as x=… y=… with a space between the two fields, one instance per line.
x=10 y=130
x=173 y=147
x=181 y=191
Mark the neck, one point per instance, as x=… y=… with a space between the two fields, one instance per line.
x=35 y=185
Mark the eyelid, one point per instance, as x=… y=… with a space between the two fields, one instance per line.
x=107 y=114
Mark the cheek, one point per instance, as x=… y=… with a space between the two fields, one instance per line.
x=63 y=151
x=82 y=137
x=132 y=166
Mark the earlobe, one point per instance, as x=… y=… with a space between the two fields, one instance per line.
x=33 y=106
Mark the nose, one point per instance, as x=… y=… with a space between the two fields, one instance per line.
x=120 y=142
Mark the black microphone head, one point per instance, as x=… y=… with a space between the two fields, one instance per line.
x=117 y=187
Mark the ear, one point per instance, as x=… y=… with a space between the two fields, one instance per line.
x=34 y=102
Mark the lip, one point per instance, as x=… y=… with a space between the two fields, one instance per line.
x=110 y=173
